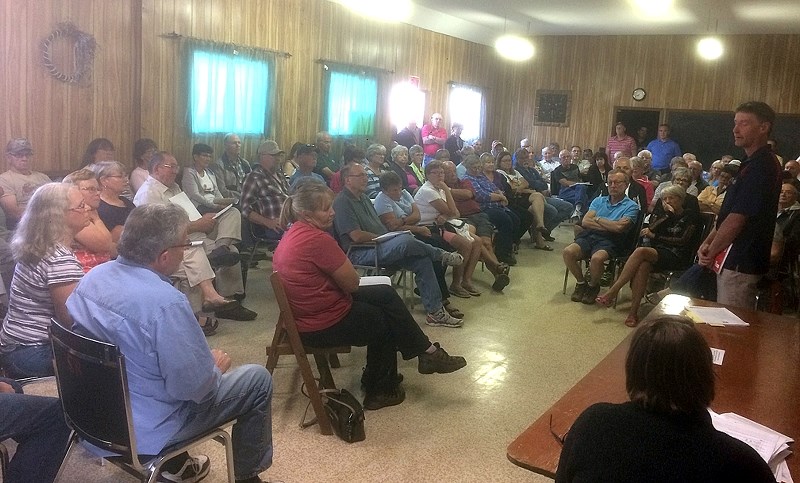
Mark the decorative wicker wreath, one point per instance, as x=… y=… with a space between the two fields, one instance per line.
x=84 y=47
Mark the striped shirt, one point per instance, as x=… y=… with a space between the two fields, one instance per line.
x=30 y=305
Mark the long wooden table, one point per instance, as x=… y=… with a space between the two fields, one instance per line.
x=758 y=379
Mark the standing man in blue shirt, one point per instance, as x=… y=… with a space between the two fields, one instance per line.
x=663 y=149
x=746 y=220
x=179 y=388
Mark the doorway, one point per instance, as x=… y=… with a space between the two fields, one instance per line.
x=636 y=119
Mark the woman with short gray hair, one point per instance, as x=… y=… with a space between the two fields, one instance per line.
x=114 y=208
x=376 y=156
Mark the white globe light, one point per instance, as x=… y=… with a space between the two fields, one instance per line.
x=514 y=48
x=710 y=48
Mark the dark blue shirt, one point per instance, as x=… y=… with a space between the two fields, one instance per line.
x=754 y=194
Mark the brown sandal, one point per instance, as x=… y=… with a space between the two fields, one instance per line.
x=209 y=324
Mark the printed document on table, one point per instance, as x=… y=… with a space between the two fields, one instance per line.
x=717 y=355
x=717 y=316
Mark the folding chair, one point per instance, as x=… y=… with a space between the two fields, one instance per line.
x=287 y=341
x=93 y=387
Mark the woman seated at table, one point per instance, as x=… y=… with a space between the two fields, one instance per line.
x=672 y=237
x=664 y=433
x=46 y=273
x=114 y=208
x=94 y=244
x=200 y=184
x=332 y=310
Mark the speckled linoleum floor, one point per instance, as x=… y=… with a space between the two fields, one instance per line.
x=525 y=348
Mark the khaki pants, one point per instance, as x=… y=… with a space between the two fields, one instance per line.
x=737 y=289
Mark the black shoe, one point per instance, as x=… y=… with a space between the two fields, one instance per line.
x=501 y=281
x=223 y=257
x=589 y=294
x=397 y=379
x=509 y=259
x=390 y=397
x=577 y=294
x=439 y=362
x=548 y=237
x=236 y=313
x=238 y=296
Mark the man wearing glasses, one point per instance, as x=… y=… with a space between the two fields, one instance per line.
x=19 y=182
x=218 y=234
x=604 y=227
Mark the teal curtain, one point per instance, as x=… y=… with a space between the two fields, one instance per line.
x=229 y=92
x=352 y=102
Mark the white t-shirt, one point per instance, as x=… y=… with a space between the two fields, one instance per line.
x=427 y=193
x=207 y=186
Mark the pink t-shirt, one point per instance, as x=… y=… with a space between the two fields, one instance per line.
x=306 y=258
x=427 y=130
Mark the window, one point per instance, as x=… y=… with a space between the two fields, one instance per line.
x=466 y=107
x=228 y=93
x=351 y=105
x=406 y=104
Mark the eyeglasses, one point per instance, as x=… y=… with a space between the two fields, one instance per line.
x=78 y=209
x=184 y=246
x=362 y=175
x=558 y=438
x=93 y=189
x=173 y=167
x=124 y=176
x=204 y=155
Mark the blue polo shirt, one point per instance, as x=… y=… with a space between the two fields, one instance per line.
x=663 y=152
x=626 y=207
x=754 y=194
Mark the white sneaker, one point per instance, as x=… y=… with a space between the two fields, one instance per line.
x=441 y=318
x=452 y=259
x=193 y=470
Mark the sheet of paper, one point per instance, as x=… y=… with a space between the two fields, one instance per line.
x=184 y=202
x=375 y=280
x=718 y=316
x=222 y=211
x=389 y=236
x=717 y=355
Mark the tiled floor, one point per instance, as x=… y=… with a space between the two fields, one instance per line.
x=525 y=349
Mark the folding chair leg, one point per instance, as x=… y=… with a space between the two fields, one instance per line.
x=272 y=353
x=325 y=376
x=313 y=393
x=333 y=360
x=73 y=438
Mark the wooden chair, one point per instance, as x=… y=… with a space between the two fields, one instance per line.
x=287 y=341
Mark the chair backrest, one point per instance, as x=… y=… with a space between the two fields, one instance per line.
x=286 y=317
x=631 y=237
x=93 y=387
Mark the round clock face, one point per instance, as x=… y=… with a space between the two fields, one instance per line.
x=639 y=94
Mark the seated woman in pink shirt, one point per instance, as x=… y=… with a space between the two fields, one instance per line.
x=332 y=309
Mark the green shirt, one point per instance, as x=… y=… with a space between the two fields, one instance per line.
x=354 y=214
x=324 y=160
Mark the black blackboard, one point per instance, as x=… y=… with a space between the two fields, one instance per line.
x=706 y=134
x=709 y=134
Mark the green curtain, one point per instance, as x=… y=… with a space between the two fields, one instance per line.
x=231 y=89
x=352 y=101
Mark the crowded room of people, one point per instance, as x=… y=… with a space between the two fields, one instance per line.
x=398 y=240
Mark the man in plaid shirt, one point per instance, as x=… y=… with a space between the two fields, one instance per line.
x=264 y=191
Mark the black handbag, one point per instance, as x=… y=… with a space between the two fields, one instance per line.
x=345 y=413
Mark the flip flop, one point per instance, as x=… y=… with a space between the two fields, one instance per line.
x=546 y=248
x=632 y=321
x=472 y=290
x=604 y=300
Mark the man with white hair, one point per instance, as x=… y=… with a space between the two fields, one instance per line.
x=231 y=168
x=549 y=162
x=697 y=184
x=326 y=165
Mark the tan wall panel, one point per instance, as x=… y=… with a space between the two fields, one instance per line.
x=60 y=119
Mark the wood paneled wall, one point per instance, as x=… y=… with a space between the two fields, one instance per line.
x=601 y=72
x=60 y=119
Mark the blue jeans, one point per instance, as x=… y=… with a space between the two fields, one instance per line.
x=244 y=394
x=557 y=210
x=28 y=361
x=37 y=424
x=407 y=252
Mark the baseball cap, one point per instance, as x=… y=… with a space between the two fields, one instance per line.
x=19 y=147
x=305 y=149
x=269 y=147
x=736 y=162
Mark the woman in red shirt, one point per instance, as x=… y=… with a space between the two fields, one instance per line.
x=331 y=309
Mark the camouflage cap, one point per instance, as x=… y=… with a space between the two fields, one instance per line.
x=19 y=147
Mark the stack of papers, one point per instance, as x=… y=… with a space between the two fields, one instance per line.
x=771 y=445
x=717 y=316
x=375 y=280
